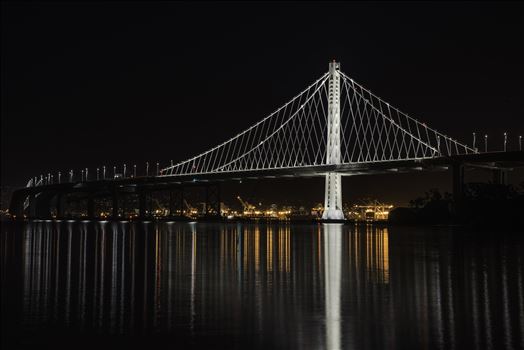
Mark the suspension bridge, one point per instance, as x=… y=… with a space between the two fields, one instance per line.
x=335 y=127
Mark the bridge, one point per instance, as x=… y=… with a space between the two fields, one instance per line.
x=335 y=127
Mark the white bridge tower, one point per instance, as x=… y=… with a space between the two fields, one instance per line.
x=333 y=196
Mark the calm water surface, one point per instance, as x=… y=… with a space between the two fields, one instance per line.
x=261 y=286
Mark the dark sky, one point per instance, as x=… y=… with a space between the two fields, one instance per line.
x=85 y=85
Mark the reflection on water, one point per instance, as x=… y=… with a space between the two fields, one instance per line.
x=328 y=286
x=332 y=279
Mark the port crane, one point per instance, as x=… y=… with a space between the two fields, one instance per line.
x=370 y=210
x=190 y=210
x=249 y=209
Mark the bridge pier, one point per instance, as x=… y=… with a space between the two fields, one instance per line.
x=458 y=188
x=43 y=205
x=458 y=182
x=16 y=207
x=141 y=204
x=114 y=199
x=500 y=177
x=60 y=206
x=90 y=206
x=31 y=213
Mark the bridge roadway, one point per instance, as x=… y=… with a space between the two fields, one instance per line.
x=40 y=197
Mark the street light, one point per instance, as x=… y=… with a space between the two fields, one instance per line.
x=97 y=174
x=156 y=168
x=82 y=178
x=125 y=170
x=147 y=168
x=59 y=175
x=505 y=140
x=114 y=171
x=104 y=172
x=520 y=143
x=474 y=140
x=86 y=173
x=134 y=170
x=486 y=143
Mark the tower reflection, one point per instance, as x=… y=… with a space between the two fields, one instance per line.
x=332 y=279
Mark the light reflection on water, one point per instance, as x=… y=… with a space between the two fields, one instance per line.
x=326 y=286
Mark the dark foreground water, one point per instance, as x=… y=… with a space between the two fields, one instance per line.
x=98 y=285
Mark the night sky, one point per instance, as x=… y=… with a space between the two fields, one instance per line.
x=86 y=85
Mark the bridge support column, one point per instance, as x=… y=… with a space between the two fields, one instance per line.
x=90 y=206
x=115 y=204
x=171 y=206
x=333 y=195
x=141 y=204
x=500 y=177
x=16 y=207
x=31 y=213
x=458 y=187
x=458 y=182
x=60 y=206
x=43 y=205
x=333 y=200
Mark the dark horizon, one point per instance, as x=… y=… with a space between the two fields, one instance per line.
x=86 y=85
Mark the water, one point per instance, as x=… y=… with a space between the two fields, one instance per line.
x=257 y=286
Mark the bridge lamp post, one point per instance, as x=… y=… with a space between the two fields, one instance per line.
x=114 y=171
x=48 y=178
x=134 y=170
x=486 y=143
x=171 y=162
x=104 y=172
x=71 y=175
x=97 y=174
x=51 y=178
x=505 y=140
x=520 y=143
x=125 y=168
x=147 y=168
x=82 y=177
x=86 y=173
x=474 y=141
x=157 y=168
x=59 y=175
